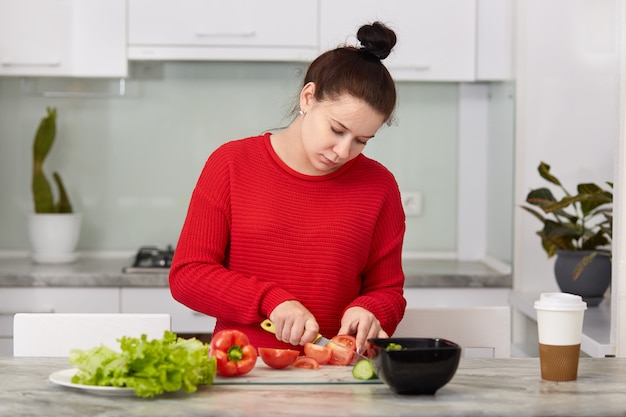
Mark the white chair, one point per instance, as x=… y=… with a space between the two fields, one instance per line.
x=480 y=331
x=55 y=334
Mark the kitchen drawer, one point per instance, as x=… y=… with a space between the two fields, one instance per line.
x=456 y=297
x=159 y=300
x=54 y=300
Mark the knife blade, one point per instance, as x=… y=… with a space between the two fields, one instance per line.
x=319 y=340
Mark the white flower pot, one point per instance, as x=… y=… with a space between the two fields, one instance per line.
x=54 y=237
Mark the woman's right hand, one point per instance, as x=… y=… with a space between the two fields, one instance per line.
x=293 y=323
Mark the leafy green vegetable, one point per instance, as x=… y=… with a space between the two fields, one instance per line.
x=151 y=367
x=394 y=346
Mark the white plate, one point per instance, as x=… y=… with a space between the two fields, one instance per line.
x=64 y=378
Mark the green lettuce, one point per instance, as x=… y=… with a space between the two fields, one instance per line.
x=150 y=367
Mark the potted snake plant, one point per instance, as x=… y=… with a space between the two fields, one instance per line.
x=578 y=229
x=53 y=228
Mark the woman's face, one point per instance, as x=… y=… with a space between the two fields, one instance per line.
x=335 y=131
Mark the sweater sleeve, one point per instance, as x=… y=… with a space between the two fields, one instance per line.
x=383 y=279
x=199 y=277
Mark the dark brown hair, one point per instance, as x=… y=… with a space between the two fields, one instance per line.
x=358 y=71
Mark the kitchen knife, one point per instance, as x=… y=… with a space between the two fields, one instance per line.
x=319 y=340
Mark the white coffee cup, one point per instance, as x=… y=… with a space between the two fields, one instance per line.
x=559 y=324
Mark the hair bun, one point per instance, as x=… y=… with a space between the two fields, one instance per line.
x=377 y=39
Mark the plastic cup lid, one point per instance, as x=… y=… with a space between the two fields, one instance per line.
x=560 y=301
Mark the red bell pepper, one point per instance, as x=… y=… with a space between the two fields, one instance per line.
x=233 y=352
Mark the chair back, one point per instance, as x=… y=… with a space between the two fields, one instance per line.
x=55 y=334
x=481 y=331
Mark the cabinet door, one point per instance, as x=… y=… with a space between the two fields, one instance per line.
x=85 y=38
x=436 y=39
x=215 y=29
x=159 y=300
x=35 y=36
x=99 y=39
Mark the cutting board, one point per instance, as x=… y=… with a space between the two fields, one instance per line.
x=264 y=375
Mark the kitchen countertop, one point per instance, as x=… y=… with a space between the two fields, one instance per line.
x=107 y=272
x=481 y=387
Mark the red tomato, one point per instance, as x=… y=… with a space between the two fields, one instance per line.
x=342 y=356
x=233 y=352
x=306 y=363
x=321 y=354
x=346 y=340
x=278 y=358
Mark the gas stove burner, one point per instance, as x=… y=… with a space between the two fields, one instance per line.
x=151 y=259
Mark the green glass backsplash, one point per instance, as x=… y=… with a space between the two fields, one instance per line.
x=130 y=162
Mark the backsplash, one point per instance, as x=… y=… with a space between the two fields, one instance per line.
x=130 y=163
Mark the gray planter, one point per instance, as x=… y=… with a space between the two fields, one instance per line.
x=592 y=282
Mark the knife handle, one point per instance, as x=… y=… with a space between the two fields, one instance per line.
x=268 y=326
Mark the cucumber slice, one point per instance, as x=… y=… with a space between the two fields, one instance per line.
x=364 y=370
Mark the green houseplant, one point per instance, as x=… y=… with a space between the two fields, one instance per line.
x=576 y=225
x=54 y=227
x=41 y=189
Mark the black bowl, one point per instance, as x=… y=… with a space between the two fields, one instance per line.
x=422 y=366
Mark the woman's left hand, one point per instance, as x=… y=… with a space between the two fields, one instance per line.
x=363 y=324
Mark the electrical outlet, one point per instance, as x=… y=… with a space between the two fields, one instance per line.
x=411 y=202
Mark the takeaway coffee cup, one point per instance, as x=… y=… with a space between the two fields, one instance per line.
x=560 y=324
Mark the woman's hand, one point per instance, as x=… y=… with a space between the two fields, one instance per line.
x=293 y=323
x=363 y=324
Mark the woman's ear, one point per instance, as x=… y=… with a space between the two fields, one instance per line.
x=307 y=96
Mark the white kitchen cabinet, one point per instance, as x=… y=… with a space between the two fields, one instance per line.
x=272 y=30
x=64 y=38
x=51 y=300
x=479 y=319
x=436 y=39
x=443 y=40
x=456 y=297
x=159 y=300
x=494 y=40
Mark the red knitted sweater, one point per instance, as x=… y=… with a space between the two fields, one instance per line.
x=257 y=234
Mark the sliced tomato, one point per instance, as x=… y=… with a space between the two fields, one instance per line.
x=321 y=354
x=346 y=340
x=340 y=355
x=278 y=358
x=342 y=349
x=306 y=363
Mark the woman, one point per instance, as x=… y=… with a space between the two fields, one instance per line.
x=299 y=226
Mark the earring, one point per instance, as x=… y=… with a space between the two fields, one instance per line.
x=300 y=112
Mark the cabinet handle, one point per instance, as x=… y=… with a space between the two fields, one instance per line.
x=249 y=34
x=417 y=67
x=31 y=64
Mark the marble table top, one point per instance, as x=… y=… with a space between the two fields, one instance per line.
x=481 y=387
x=107 y=272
